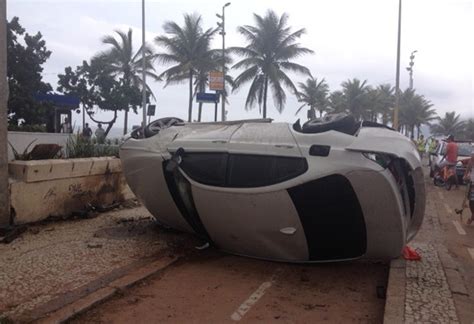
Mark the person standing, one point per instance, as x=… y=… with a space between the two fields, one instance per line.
x=66 y=126
x=432 y=149
x=100 y=134
x=87 y=132
x=450 y=158
x=470 y=176
x=420 y=144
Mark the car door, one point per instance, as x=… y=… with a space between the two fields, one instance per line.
x=246 y=209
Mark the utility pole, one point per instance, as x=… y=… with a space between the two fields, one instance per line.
x=410 y=68
x=397 y=82
x=4 y=191
x=143 y=70
x=222 y=32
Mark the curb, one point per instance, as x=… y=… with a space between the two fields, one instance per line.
x=98 y=296
x=395 y=302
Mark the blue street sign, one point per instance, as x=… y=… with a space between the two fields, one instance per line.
x=207 y=97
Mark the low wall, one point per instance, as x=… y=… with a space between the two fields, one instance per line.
x=39 y=189
x=20 y=140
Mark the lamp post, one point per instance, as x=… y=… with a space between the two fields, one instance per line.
x=397 y=82
x=410 y=68
x=143 y=71
x=222 y=32
x=4 y=192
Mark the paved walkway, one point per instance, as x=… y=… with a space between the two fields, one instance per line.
x=440 y=287
x=52 y=259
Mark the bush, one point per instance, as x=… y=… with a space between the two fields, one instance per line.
x=79 y=147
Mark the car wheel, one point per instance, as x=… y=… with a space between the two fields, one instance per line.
x=157 y=125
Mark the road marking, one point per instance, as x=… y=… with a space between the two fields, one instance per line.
x=448 y=210
x=253 y=299
x=471 y=252
x=459 y=228
x=440 y=194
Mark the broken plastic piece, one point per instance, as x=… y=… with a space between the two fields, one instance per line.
x=410 y=254
x=203 y=247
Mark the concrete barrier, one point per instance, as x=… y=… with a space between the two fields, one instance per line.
x=40 y=189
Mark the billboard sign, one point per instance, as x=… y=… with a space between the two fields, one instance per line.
x=216 y=80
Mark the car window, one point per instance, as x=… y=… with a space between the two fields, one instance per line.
x=464 y=149
x=206 y=168
x=246 y=171
x=241 y=170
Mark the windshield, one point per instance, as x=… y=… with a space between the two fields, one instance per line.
x=464 y=149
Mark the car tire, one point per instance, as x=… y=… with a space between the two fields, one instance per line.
x=156 y=126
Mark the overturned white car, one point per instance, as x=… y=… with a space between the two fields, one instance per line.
x=333 y=189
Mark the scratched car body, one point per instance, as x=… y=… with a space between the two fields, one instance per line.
x=333 y=189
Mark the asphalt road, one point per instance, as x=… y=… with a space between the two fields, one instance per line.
x=210 y=286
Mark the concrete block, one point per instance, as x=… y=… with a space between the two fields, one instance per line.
x=44 y=170
x=36 y=201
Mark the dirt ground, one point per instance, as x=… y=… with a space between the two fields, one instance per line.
x=214 y=287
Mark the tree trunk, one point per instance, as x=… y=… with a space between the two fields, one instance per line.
x=265 y=97
x=201 y=89
x=200 y=112
x=4 y=191
x=190 y=109
x=125 y=124
x=110 y=124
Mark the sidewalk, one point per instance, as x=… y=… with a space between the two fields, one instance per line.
x=52 y=261
x=437 y=289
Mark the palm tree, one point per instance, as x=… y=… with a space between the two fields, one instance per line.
x=314 y=94
x=356 y=97
x=450 y=124
x=188 y=48
x=385 y=102
x=468 y=132
x=271 y=46
x=127 y=65
x=336 y=102
x=415 y=111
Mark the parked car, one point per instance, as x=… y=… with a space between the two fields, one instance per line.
x=464 y=153
x=332 y=189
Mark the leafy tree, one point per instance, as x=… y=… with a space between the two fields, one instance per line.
x=187 y=48
x=25 y=56
x=126 y=65
x=314 y=94
x=271 y=45
x=356 y=97
x=449 y=124
x=98 y=89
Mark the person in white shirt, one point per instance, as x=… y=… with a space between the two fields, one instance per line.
x=66 y=126
x=100 y=134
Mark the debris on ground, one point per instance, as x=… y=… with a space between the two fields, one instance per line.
x=411 y=254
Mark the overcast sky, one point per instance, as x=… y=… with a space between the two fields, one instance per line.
x=351 y=39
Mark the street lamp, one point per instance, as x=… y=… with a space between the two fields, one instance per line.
x=222 y=32
x=397 y=81
x=143 y=71
x=410 y=68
